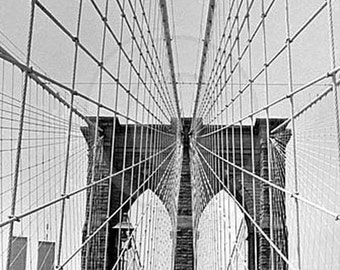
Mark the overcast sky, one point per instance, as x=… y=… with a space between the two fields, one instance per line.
x=53 y=52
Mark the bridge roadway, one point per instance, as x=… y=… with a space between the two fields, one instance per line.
x=184 y=252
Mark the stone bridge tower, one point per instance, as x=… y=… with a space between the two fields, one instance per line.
x=98 y=208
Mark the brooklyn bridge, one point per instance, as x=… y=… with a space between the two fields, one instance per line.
x=169 y=135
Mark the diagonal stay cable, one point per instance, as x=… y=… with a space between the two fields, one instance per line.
x=292 y=194
x=305 y=108
x=165 y=20
x=70 y=194
x=4 y=54
x=277 y=101
x=129 y=60
x=94 y=59
x=77 y=93
x=168 y=169
x=272 y=244
x=117 y=211
x=210 y=15
x=270 y=61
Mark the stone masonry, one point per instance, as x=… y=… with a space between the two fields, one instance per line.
x=180 y=208
x=184 y=254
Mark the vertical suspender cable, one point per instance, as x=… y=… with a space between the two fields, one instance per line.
x=211 y=9
x=292 y=113
x=122 y=180
x=165 y=20
x=335 y=87
x=20 y=134
x=76 y=41
x=267 y=142
x=95 y=144
x=252 y=141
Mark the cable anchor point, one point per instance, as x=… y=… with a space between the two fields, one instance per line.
x=15 y=218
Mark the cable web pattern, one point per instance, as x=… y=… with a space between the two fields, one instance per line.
x=87 y=134
x=266 y=132
x=101 y=167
